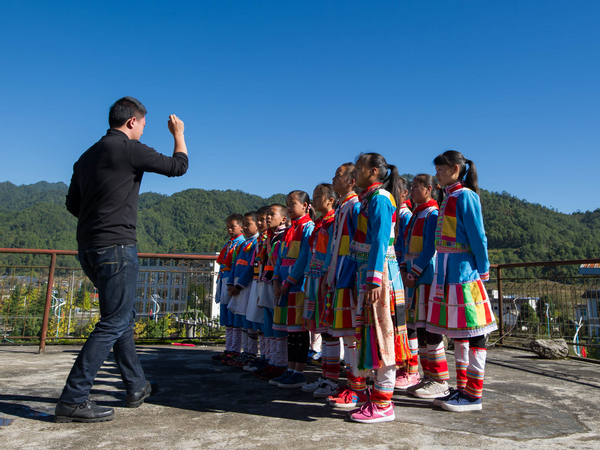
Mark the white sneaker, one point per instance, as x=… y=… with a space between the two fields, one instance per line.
x=432 y=389
x=411 y=390
x=326 y=389
x=312 y=387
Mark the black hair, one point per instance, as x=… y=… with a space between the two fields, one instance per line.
x=390 y=180
x=352 y=174
x=468 y=176
x=303 y=197
x=251 y=214
x=263 y=210
x=236 y=217
x=427 y=180
x=123 y=110
x=327 y=189
x=403 y=185
x=282 y=209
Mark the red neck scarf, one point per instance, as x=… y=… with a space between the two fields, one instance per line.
x=424 y=206
x=294 y=231
x=226 y=255
x=323 y=222
x=408 y=204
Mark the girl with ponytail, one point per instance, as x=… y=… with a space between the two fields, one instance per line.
x=380 y=316
x=417 y=270
x=459 y=306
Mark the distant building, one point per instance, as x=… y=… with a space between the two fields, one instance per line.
x=163 y=286
x=589 y=269
x=590 y=309
x=512 y=302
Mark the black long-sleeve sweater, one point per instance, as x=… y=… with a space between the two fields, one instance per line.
x=105 y=187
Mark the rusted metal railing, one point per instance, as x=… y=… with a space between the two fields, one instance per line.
x=22 y=285
x=547 y=299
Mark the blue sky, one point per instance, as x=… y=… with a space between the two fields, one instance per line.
x=275 y=95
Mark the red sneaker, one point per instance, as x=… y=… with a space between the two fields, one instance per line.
x=273 y=373
x=220 y=356
x=260 y=372
x=229 y=357
x=347 y=398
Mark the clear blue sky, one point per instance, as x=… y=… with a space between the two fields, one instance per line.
x=275 y=95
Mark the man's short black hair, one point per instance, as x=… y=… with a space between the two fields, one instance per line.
x=123 y=110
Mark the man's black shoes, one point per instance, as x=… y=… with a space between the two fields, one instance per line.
x=87 y=412
x=137 y=398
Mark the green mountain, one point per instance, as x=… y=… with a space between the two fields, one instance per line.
x=34 y=216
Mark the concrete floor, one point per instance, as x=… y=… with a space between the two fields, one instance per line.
x=528 y=403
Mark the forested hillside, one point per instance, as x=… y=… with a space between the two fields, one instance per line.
x=34 y=216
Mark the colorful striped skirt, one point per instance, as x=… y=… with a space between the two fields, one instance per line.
x=464 y=312
x=344 y=313
x=295 y=308
x=316 y=315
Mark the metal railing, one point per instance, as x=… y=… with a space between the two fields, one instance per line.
x=548 y=299
x=174 y=299
x=56 y=301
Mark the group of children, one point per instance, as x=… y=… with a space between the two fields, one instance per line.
x=285 y=274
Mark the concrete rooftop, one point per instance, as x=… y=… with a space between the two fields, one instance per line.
x=528 y=403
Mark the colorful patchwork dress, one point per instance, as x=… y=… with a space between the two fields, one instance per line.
x=419 y=260
x=315 y=314
x=291 y=264
x=268 y=255
x=459 y=306
x=254 y=313
x=381 y=328
x=226 y=259
x=341 y=275
x=241 y=276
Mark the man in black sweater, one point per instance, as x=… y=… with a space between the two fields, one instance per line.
x=103 y=195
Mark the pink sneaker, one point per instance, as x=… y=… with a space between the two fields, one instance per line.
x=405 y=380
x=371 y=413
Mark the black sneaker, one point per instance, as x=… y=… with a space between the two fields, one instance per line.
x=87 y=412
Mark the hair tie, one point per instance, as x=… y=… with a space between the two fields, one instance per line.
x=388 y=172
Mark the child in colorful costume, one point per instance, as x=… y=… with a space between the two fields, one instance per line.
x=341 y=281
x=403 y=216
x=382 y=344
x=254 y=313
x=459 y=306
x=240 y=288
x=288 y=283
x=417 y=272
x=317 y=316
x=275 y=340
x=226 y=260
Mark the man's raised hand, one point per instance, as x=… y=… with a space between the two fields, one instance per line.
x=176 y=125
